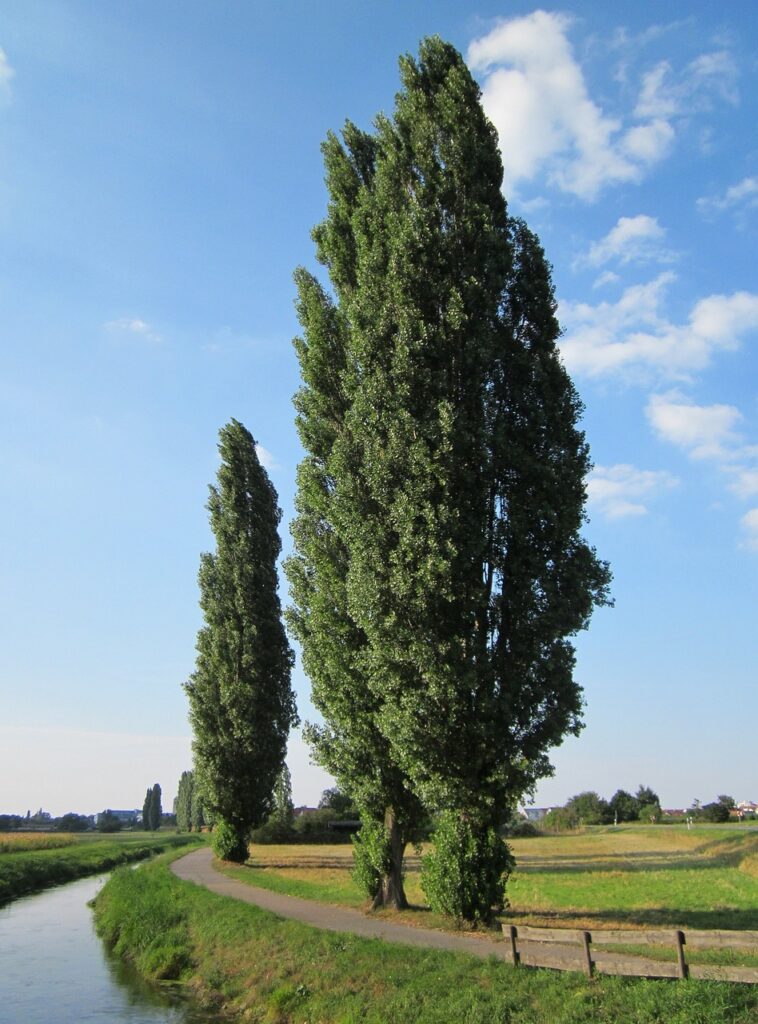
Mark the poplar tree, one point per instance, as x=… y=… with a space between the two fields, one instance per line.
x=439 y=569
x=184 y=803
x=241 y=701
x=155 y=809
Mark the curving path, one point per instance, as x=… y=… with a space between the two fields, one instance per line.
x=198 y=867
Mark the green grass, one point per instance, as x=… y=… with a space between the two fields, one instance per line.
x=637 y=876
x=239 y=959
x=26 y=872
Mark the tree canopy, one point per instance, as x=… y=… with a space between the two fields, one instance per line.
x=439 y=571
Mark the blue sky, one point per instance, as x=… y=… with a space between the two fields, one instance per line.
x=159 y=176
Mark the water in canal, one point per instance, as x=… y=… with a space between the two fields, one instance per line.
x=55 y=970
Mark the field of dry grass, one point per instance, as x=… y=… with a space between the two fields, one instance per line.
x=23 y=842
x=631 y=876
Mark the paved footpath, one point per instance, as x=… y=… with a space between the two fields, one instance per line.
x=198 y=867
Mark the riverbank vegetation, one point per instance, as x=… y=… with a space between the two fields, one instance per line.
x=41 y=863
x=244 y=961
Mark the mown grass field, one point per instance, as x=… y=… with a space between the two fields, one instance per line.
x=30 y=868
x=239 y=959
x=626 y=877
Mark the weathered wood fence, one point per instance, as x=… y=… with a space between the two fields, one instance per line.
x=566 y=949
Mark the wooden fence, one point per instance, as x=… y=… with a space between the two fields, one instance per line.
x=567 y=949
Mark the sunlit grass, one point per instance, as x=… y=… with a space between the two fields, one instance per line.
x=240 y=959
x=634 y=876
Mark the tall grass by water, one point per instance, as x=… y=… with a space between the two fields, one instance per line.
x=242 y=960
x=21 y=842
x=29 y=870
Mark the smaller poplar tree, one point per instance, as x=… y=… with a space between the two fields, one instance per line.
x=241 y=702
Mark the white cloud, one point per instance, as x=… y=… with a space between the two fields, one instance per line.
x=607 y=277
x=535 y=93
x=617 y=491
x=6 y=74
x=133 y=325
x=265 y=457
x=633 y=337
x=705 y=431
x=743 y=195
x=749 y=523
x=632 y=240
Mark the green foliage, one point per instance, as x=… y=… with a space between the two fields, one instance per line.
x=466 y=873
x=589 y=809
x=652 y=813
x=622 y=806
x=283 y=813
x=340 y=804
x=184 y=802
x=646 y=796
x=439 y=572
x=229 y=842
x=241 y=701
x=108 y=822
x=716 y=812
x=560 y=819
x=372 y=857
x=72 y=822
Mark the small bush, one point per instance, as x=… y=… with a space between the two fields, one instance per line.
x=465 y=874
x=229 y=842
x=370 y=857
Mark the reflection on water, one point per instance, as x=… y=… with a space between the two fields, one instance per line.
x=55 y=970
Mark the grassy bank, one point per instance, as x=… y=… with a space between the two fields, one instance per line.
x=27 y=871
x=245 y=961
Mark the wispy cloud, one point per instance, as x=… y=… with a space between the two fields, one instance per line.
x=749 y=524
x=535 y=93
x=631 y=240
x=133 y=325
x=633 y=337
x=622 y=490
x=740 y=197
x=6 y=75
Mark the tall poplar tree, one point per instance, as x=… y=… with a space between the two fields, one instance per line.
x=241 y=702
x=439 y=571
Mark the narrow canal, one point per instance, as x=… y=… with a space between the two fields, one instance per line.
x=55 y=970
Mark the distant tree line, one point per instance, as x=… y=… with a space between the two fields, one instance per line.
x=589 y=808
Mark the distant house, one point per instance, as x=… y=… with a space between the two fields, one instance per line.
x=303 y=810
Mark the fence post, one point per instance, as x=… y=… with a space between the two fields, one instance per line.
x=514 y=952
x=586 y=940
x=681 y=962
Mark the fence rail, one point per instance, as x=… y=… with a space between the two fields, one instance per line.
x=576 y=949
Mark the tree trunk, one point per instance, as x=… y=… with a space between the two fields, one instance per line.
x=391 y=891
